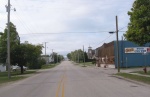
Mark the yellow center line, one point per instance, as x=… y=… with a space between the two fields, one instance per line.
x=59 y=86
x=63 y=90
x=61 y=83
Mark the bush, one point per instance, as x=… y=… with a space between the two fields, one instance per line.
x=37 y=64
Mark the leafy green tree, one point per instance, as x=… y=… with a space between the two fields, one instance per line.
x=77 y=55
x=69 y=56
x=27 y=54
x=20 y=54
x=56 y=57
x=60 y=58
x=139 y=26
x=14 y=41
x=33 y=55
x=86 y=57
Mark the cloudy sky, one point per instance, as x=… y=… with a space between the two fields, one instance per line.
x=67 y=25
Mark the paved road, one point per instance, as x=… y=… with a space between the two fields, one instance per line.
x=68 y=80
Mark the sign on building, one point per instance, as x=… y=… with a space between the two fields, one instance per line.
x=137 y=50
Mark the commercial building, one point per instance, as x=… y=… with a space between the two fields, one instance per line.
x=130 y=54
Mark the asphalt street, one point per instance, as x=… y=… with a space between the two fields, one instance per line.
x=68 y=80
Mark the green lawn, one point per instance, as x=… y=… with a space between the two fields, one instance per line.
x=135 y=77
x=14 y=76
x=49 y=66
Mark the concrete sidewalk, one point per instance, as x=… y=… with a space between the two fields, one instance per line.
x=129 y=70
x=133 y=71
x=140 y=74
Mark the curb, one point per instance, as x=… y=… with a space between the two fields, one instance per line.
x=130 y=80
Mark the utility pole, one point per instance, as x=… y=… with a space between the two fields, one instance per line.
x=45 y=48
x=8 y=39
x=75 y=56
x=57 y=58
x=52 y=56
x=117 y=44
x=78 y=56
x=45 y=54
x=83 y=56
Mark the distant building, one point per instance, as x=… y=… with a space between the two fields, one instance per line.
x=2 y=68
x=26 y=42
x=46 y=58
x=90 y=53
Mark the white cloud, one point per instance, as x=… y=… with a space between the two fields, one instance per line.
x=58 y=16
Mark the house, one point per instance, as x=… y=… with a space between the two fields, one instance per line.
x=46 y=58
x=2 y=68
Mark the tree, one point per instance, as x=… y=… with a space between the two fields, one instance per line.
x=33 y=56
x=56 y=57
x=86 y=57
x=14 y=41
x=20 y=54
x=76 y=55
x=69 y=56
x=139 y=26
x=27 y=54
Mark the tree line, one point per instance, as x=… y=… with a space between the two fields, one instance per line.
x=78 y=56
x=21 y=54
x=56 y=58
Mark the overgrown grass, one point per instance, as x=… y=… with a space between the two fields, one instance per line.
x=14 y=76
x=49 y=66
x=135 y=77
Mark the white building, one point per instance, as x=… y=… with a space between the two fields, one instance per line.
x=2 y=68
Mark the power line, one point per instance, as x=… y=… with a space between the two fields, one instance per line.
x=26 y=27
x=67 y=32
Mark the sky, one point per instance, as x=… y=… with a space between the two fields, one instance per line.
x=67 y=25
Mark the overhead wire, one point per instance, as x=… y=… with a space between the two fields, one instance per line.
x=3 y=13
x=65 y=32
x=23 y=25
x=34 y=27
x=27 y=28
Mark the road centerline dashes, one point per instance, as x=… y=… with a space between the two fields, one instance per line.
x=61 y=85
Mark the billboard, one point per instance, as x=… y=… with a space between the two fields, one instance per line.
x=137 y=50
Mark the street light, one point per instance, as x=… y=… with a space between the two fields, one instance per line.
x=117 y=44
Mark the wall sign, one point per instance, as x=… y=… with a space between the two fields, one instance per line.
x=137 y=50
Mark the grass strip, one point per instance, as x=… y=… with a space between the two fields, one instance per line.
x=135 y=77
x=13 y=78
x=142 y=72
x=49 y=66
x=16 y=75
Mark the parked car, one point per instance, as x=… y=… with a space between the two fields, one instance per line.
x=17 y=68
